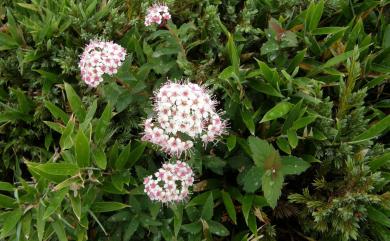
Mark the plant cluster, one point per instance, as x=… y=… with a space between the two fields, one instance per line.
x=194 y=120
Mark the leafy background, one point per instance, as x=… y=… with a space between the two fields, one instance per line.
x=303 y=85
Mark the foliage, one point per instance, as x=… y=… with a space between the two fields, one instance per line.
x=302 y=83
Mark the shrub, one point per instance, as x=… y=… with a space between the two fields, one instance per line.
x=302 y=86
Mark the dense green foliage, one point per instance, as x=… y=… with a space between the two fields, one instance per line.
x=303 y=85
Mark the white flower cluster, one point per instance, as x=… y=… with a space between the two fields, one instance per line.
x=185 y=112
x=157 y=13
x=170 y=183
x=98 y=58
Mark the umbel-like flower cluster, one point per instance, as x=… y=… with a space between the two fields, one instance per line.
x=157 y=13
x=170 y=183
x=184 y=113
x=98 y=58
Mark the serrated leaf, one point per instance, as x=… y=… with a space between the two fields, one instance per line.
x=293 y=165
x=272 y=183
x=228 y=202
x=277 y=111
x=82 y=149
x=252 y=179
x=260 y=150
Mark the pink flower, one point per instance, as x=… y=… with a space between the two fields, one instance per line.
x=169 y=185
x=184 y=114
x=158 y=14
x=98 y=58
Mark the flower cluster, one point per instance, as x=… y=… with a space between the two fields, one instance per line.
x=157 y=13
x=170 y=183
x=98 y=58
x=184 y=112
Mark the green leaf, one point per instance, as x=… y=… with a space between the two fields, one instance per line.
x=316 y=15
x=292 y=138
x=56 y=112
x=6 y=201
x=379 y=161
x=378 y=216
x=76 y=205
x=100 y=207
x=10 y=220
x=265 y=88
x=136 y=154
x=277 y=111
x=231 y=142
x=89 y=116
x=75 y=102
x=341 y=57
x=252 y=179
x=272 y=183
x=55 y=126
x=55 y=202
x=283 y=145
x=293 y=165
x=102 y=124
x=303 y=122
x=228 y=202
x=207 y=210
x=66 y=140
x=177 y=218
x=328 y=30
x=123 y=157
x=375 y=130
x=59 y=229
x=100 y=158
x=295 y=112
x=260 y=150
x=246 y=206
x=298 y=58
x=218 y=229
x=248 y=120
x=60 y=169
x=82 y=151
x=130 y=229
x=5 y=186
x=40 y=221
x=233 y=54
x=193 y=228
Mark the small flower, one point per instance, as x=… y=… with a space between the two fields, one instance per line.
x=170 y=183
x=158 y=14
x=98 y=58
x=184 y=113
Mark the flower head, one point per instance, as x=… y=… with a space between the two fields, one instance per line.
x=158 y=14
x=170 y=183
x=184 y=113
x=98 y=58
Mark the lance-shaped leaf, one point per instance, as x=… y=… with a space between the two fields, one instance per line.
x=277 y=111
x=272 y=183
x=293 y=165
x=82 y=149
